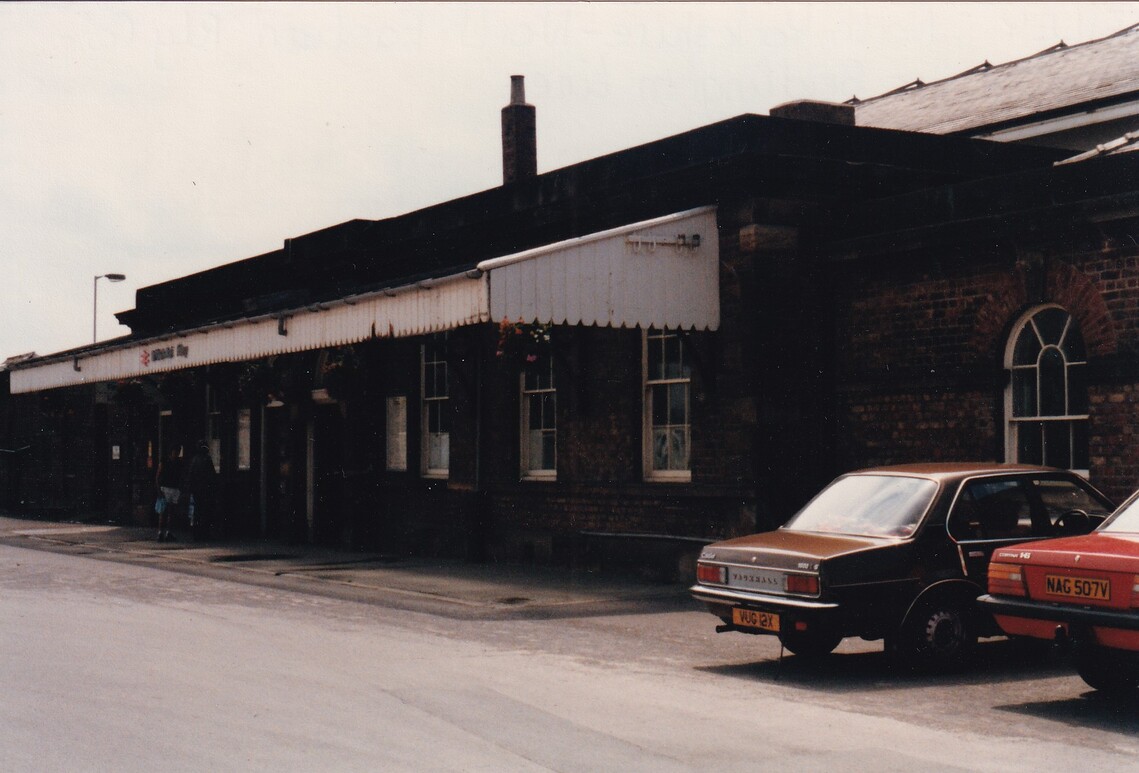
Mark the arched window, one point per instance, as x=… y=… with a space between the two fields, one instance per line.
x=1047 y=400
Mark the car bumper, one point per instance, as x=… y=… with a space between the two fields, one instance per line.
x=798 y=614
x=1035 y=610
x=764 y=601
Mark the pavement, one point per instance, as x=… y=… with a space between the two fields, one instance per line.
x=445 y=587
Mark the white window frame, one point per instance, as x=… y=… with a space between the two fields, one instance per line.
x=1013 y=423
x=649 y=337
x=431 y=398
x=526 y=395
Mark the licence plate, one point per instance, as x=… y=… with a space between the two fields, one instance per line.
x=749 y=618
x=1077 y=587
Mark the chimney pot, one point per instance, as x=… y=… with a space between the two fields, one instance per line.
x=519 y=135
x=517 y=89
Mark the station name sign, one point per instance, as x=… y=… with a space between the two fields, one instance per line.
x=148 y=356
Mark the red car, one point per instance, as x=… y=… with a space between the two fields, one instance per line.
x=1082 y=592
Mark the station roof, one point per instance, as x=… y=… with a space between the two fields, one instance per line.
x=571 y=246
x=1058 y=79
x=788 y=159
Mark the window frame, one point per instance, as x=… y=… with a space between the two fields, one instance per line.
x=1043 y=510
x=1075 y=422
x=426 y=401
x=651 y=473
x=526 y=470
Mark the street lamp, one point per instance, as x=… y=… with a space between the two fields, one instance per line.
x=95 y=302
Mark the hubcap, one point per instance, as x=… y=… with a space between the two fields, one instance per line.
x=943 y=632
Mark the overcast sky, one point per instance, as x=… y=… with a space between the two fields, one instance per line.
x=157 y=140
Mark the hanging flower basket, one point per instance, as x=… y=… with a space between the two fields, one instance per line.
x=523 y=342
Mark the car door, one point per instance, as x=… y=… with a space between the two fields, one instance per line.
x=995 y=511
x=991 y=512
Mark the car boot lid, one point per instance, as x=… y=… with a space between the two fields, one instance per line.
x=1097 y=551
x=788 y=549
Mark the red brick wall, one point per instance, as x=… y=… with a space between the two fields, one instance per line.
x=906 y=321
x=1114 y=438
x=920 y=348
x=919 y=425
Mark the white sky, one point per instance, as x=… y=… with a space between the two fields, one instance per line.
x=157 y=140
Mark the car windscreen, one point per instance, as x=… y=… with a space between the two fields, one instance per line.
x=1125 y=519
x=867 y=506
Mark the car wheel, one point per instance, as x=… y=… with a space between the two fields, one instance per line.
x=1106 y=670
x=939 y=636
x=809 y=645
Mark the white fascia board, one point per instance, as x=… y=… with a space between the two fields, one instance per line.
x=1062 y=123
x=428 y=306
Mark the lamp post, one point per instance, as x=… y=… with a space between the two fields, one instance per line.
x=95 y=302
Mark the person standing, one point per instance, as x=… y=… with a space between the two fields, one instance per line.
x=169 y=482
x=199 y=490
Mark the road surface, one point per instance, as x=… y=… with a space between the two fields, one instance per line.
x=109 y=666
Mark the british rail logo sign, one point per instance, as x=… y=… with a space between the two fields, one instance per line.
x=147 y=356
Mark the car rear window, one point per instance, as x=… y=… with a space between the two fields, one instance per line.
x=867 y=506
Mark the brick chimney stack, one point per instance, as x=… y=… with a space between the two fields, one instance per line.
x=519 y=135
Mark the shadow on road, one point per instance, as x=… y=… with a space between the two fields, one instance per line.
x=995 y=661
x=1091 y=709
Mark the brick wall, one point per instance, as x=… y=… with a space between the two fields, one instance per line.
x=918 y=426
x=896 y=320
x=1114 y=438
x=920 y=346
x=599 y=486
x=55 y=460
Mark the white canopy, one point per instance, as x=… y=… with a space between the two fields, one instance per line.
x=657 y=273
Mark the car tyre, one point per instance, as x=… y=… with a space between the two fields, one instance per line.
x=938 y=636
x=1107 y=670
x=814 y=644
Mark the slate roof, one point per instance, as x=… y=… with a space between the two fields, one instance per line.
x=1053 y=80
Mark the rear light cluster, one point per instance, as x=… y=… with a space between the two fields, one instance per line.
x=710 y=573
x=807 y=584
x=1007 y=580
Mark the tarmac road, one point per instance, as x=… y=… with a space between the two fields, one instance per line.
x=121 y=665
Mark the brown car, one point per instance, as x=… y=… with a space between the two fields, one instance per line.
x=894 y=553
